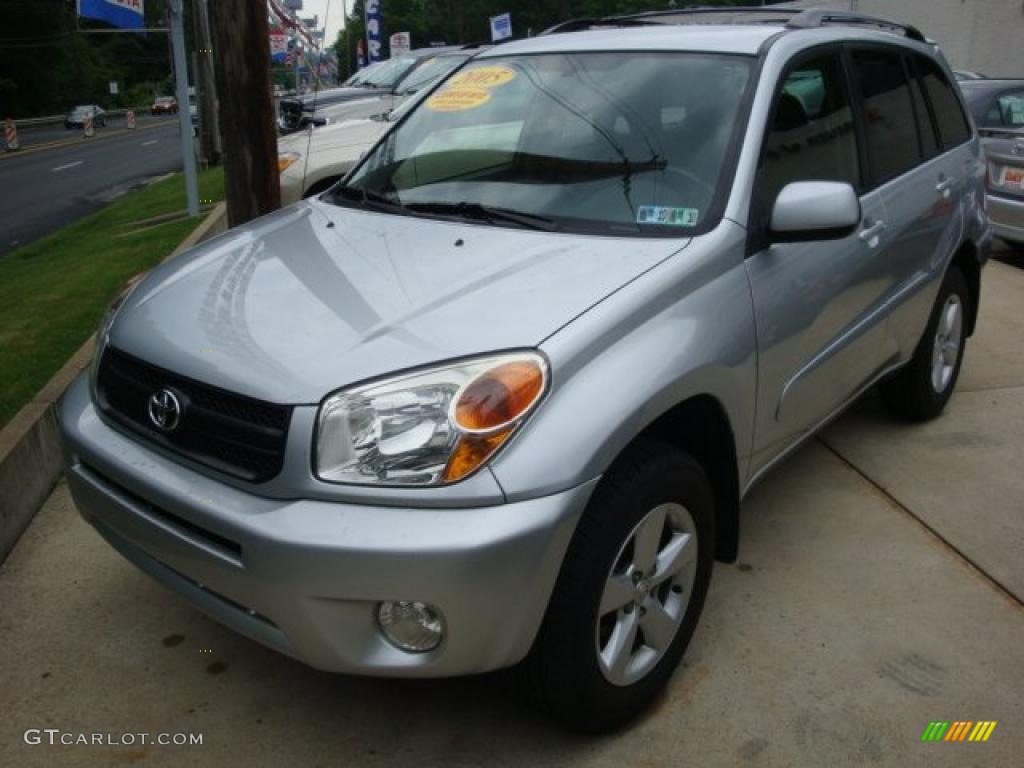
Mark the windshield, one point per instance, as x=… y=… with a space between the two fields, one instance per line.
x=363 y=73
x=631 y=143
x=429 y=71
x=388 y=73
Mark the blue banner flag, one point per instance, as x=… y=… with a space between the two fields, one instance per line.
x=128 y=14
x=373 y=30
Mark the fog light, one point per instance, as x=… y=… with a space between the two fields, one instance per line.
x=411 y=626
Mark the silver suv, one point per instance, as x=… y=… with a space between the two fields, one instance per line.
x=495 y=398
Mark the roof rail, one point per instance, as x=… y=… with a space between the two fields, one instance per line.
x=707 y=9
x=816 y=17
x=797 y=18
x=581 y=25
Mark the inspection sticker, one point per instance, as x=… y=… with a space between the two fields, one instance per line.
x=455 y=99
x=483 y=77
x=672 y=217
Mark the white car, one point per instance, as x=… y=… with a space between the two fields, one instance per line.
x=311 y=161
x=314 y=159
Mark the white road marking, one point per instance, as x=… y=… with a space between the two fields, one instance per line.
x=147 y=143
x=65 y=167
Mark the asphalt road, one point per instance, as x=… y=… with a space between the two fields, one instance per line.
x=45 y=189
x=44 y=134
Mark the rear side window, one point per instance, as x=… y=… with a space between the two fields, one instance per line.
x=812 y=133
x=949 y=115
x=890 y=127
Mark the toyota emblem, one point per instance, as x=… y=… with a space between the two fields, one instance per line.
x=165 y=410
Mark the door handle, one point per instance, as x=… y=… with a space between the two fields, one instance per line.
x=944 y=186
x=871 y=232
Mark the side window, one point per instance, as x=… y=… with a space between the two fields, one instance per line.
x=953 y=126
x=890 y=128
x=1011 y=109
x=812 y=133
x=925 y=127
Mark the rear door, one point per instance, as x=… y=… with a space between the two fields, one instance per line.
x=923 y=199
x=820 y=329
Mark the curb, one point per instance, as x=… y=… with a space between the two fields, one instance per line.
x=30 y=450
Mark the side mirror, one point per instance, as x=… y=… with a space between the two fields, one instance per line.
x=814 y=210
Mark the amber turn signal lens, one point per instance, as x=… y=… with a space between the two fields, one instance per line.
x=471 y=452
x=498 y=397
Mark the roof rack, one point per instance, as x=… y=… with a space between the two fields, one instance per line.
x=815 y=17
x=581 y=25
x=795 y=18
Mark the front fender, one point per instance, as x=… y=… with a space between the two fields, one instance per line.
x=684 y=328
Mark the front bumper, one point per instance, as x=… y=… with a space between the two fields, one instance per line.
x=1007 y=217
x=305 y=577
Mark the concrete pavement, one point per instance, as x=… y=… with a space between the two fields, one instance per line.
x=877 y=590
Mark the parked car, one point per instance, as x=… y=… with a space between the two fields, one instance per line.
x=164 y=105
x=998 y=110
x=494 y=399
x=310 y=162
x=75 y=117
x=294 y=114
x=381 y=102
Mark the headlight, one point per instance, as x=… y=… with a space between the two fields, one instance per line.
x=286 y=160
x=103 y=331
x=431 y=427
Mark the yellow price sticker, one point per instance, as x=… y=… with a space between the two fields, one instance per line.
x=455 y=99
x=483 y=77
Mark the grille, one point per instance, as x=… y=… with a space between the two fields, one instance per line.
x=232 y=433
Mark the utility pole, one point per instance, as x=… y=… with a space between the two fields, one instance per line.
x=188 y=155
x=209 y=129
x=241 y=38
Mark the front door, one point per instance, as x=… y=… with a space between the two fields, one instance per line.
x=819 y=306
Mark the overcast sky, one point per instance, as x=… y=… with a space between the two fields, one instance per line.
x=333 y=16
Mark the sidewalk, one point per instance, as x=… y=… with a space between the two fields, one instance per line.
x=879 y=588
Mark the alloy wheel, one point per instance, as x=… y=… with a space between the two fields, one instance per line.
x=646 y=594
x=946 y=348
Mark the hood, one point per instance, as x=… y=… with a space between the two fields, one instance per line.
x=289 y=308
x=357 y=134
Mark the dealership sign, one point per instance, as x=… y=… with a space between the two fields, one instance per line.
x=399 y=43
x=278 y=45
x=128 y=14
x=501 y=27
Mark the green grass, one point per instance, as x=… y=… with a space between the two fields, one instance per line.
x=54 y=291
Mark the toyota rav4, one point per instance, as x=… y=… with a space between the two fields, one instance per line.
x=494 y=399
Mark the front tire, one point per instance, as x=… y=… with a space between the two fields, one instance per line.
x=921 y=389
x=630 y=591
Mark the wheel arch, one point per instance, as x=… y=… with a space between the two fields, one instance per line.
x=700 y=426
x=967 y=259
x=321 y=185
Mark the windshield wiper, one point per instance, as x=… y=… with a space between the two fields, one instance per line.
x=487 y=213
x=367 y=197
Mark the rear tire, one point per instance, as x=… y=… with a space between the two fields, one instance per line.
x=920 y=390
x=621 y=617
